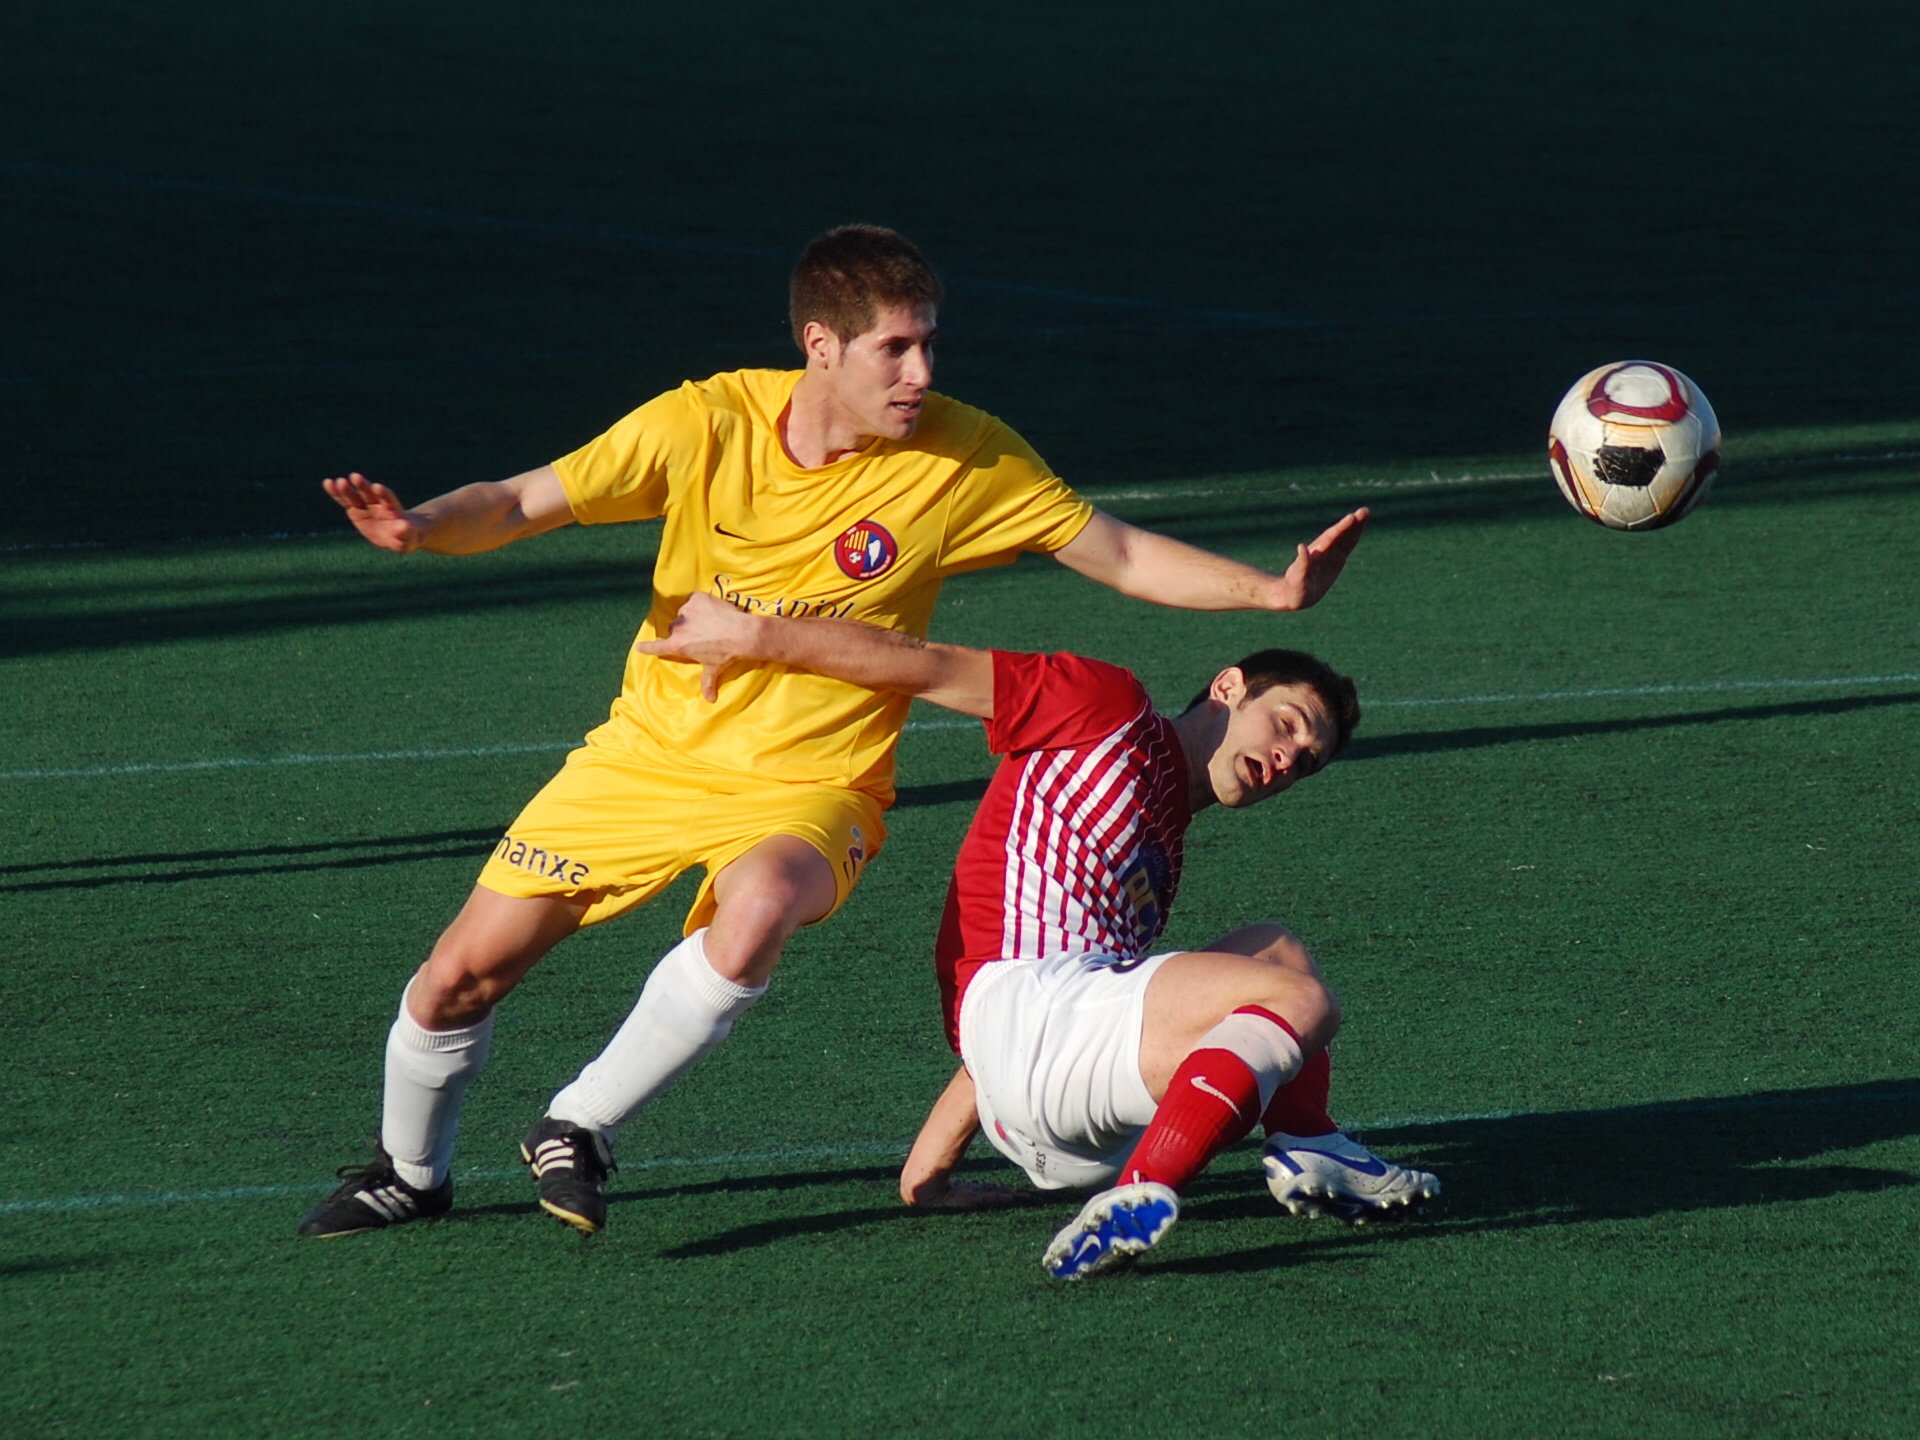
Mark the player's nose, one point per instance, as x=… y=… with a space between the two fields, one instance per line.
x=917 y=370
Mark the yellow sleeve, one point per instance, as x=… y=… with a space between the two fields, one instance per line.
x=1008 y=501
x=623 y=474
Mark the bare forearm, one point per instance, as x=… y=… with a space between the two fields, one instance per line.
x=461 y=522
x=942 y=1141
x=847 y=650
x=1146 y=566
x=1153 y=567
x=877 y=659
x=1170 y=572
x=476 y=518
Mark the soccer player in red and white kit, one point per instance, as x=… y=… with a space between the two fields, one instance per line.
x=1085 y=1058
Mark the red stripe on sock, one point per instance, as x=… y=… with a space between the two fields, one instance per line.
x=1212 y=1101
x=1266 y=1014
x=1299 y=1107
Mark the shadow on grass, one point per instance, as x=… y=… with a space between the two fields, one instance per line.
x=1480 y=736
x=178 y=867
x=767 y=1232
x=106 y=618
x=770 y=1231
x=949 y=792
x=734 y=1185
x=1523 y=1172
x=57 y=1265
x=1503 y=1173
x=316 y=601
x=211 y=864
x=786 y=1180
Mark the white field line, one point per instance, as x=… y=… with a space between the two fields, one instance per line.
x=1308 y=487
x=248 y=762
x=893 y=1149
x=243 y=762
x=1710 y=687
x=885 y=1149
x=1433 y=479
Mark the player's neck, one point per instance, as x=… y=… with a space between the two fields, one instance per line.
x=1200 y=732
x=814 y=429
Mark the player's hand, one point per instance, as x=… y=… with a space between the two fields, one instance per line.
x=1317 y=565
x=376 y=512
x=710 y=631
x=941 y=1193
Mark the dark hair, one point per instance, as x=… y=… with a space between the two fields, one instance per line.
x=1265 y=669
x=847 y=275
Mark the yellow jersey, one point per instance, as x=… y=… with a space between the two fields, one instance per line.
x=868 y=537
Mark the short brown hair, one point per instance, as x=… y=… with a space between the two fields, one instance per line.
x=1265 y=669
x=847 y=275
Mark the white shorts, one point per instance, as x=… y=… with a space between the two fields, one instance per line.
x=1053 y=1046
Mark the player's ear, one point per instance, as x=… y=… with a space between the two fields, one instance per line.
x=822 y=346
x=1229 y=686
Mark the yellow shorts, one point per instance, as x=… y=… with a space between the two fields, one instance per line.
x=621 y=826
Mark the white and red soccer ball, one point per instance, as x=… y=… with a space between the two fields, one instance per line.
x=1634 y=446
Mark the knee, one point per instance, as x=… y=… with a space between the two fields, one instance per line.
x=1334 y=1016
x=748 y=932
x=764 y=915
x=771 y=908
x=1309 y=1006
x=448 y=993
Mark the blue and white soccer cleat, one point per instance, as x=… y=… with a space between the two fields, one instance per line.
x=1337 y=1175
x=1112 y=1230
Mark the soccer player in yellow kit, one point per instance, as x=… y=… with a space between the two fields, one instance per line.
x=846 y=489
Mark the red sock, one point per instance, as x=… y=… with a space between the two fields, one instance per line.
x=1212 y=1101
x=1300 y=1106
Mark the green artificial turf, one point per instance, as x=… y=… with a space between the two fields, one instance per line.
x=1629 y=972
x=1617 y=882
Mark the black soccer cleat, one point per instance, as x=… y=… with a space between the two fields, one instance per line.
x=373 y=1198
x=570 y=1164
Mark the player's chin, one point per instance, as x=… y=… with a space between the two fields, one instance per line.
x=1239 y=795
x=902 y=420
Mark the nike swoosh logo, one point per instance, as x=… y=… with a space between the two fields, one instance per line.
x=1200 y=1084
x=730 y=534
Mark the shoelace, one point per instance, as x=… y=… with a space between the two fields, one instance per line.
x=571 y=1150
x=378 y=1171
x=366 y=1174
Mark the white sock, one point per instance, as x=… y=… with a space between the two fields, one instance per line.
x=427 y=1076
x=1267 y=1048
x=684 y=1010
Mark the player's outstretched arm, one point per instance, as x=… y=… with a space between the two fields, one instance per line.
x=1152 y=567
x=926 y=1180
x=461 y=522
x=716 y=634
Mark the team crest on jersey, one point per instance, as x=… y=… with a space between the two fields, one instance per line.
x=1147 y=885
x=865 y=551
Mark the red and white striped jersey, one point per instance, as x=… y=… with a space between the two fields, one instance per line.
x=1077 y=843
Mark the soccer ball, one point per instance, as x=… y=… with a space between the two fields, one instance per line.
x=1634 y=446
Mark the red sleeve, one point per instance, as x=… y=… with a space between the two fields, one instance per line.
x=1048 y=702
